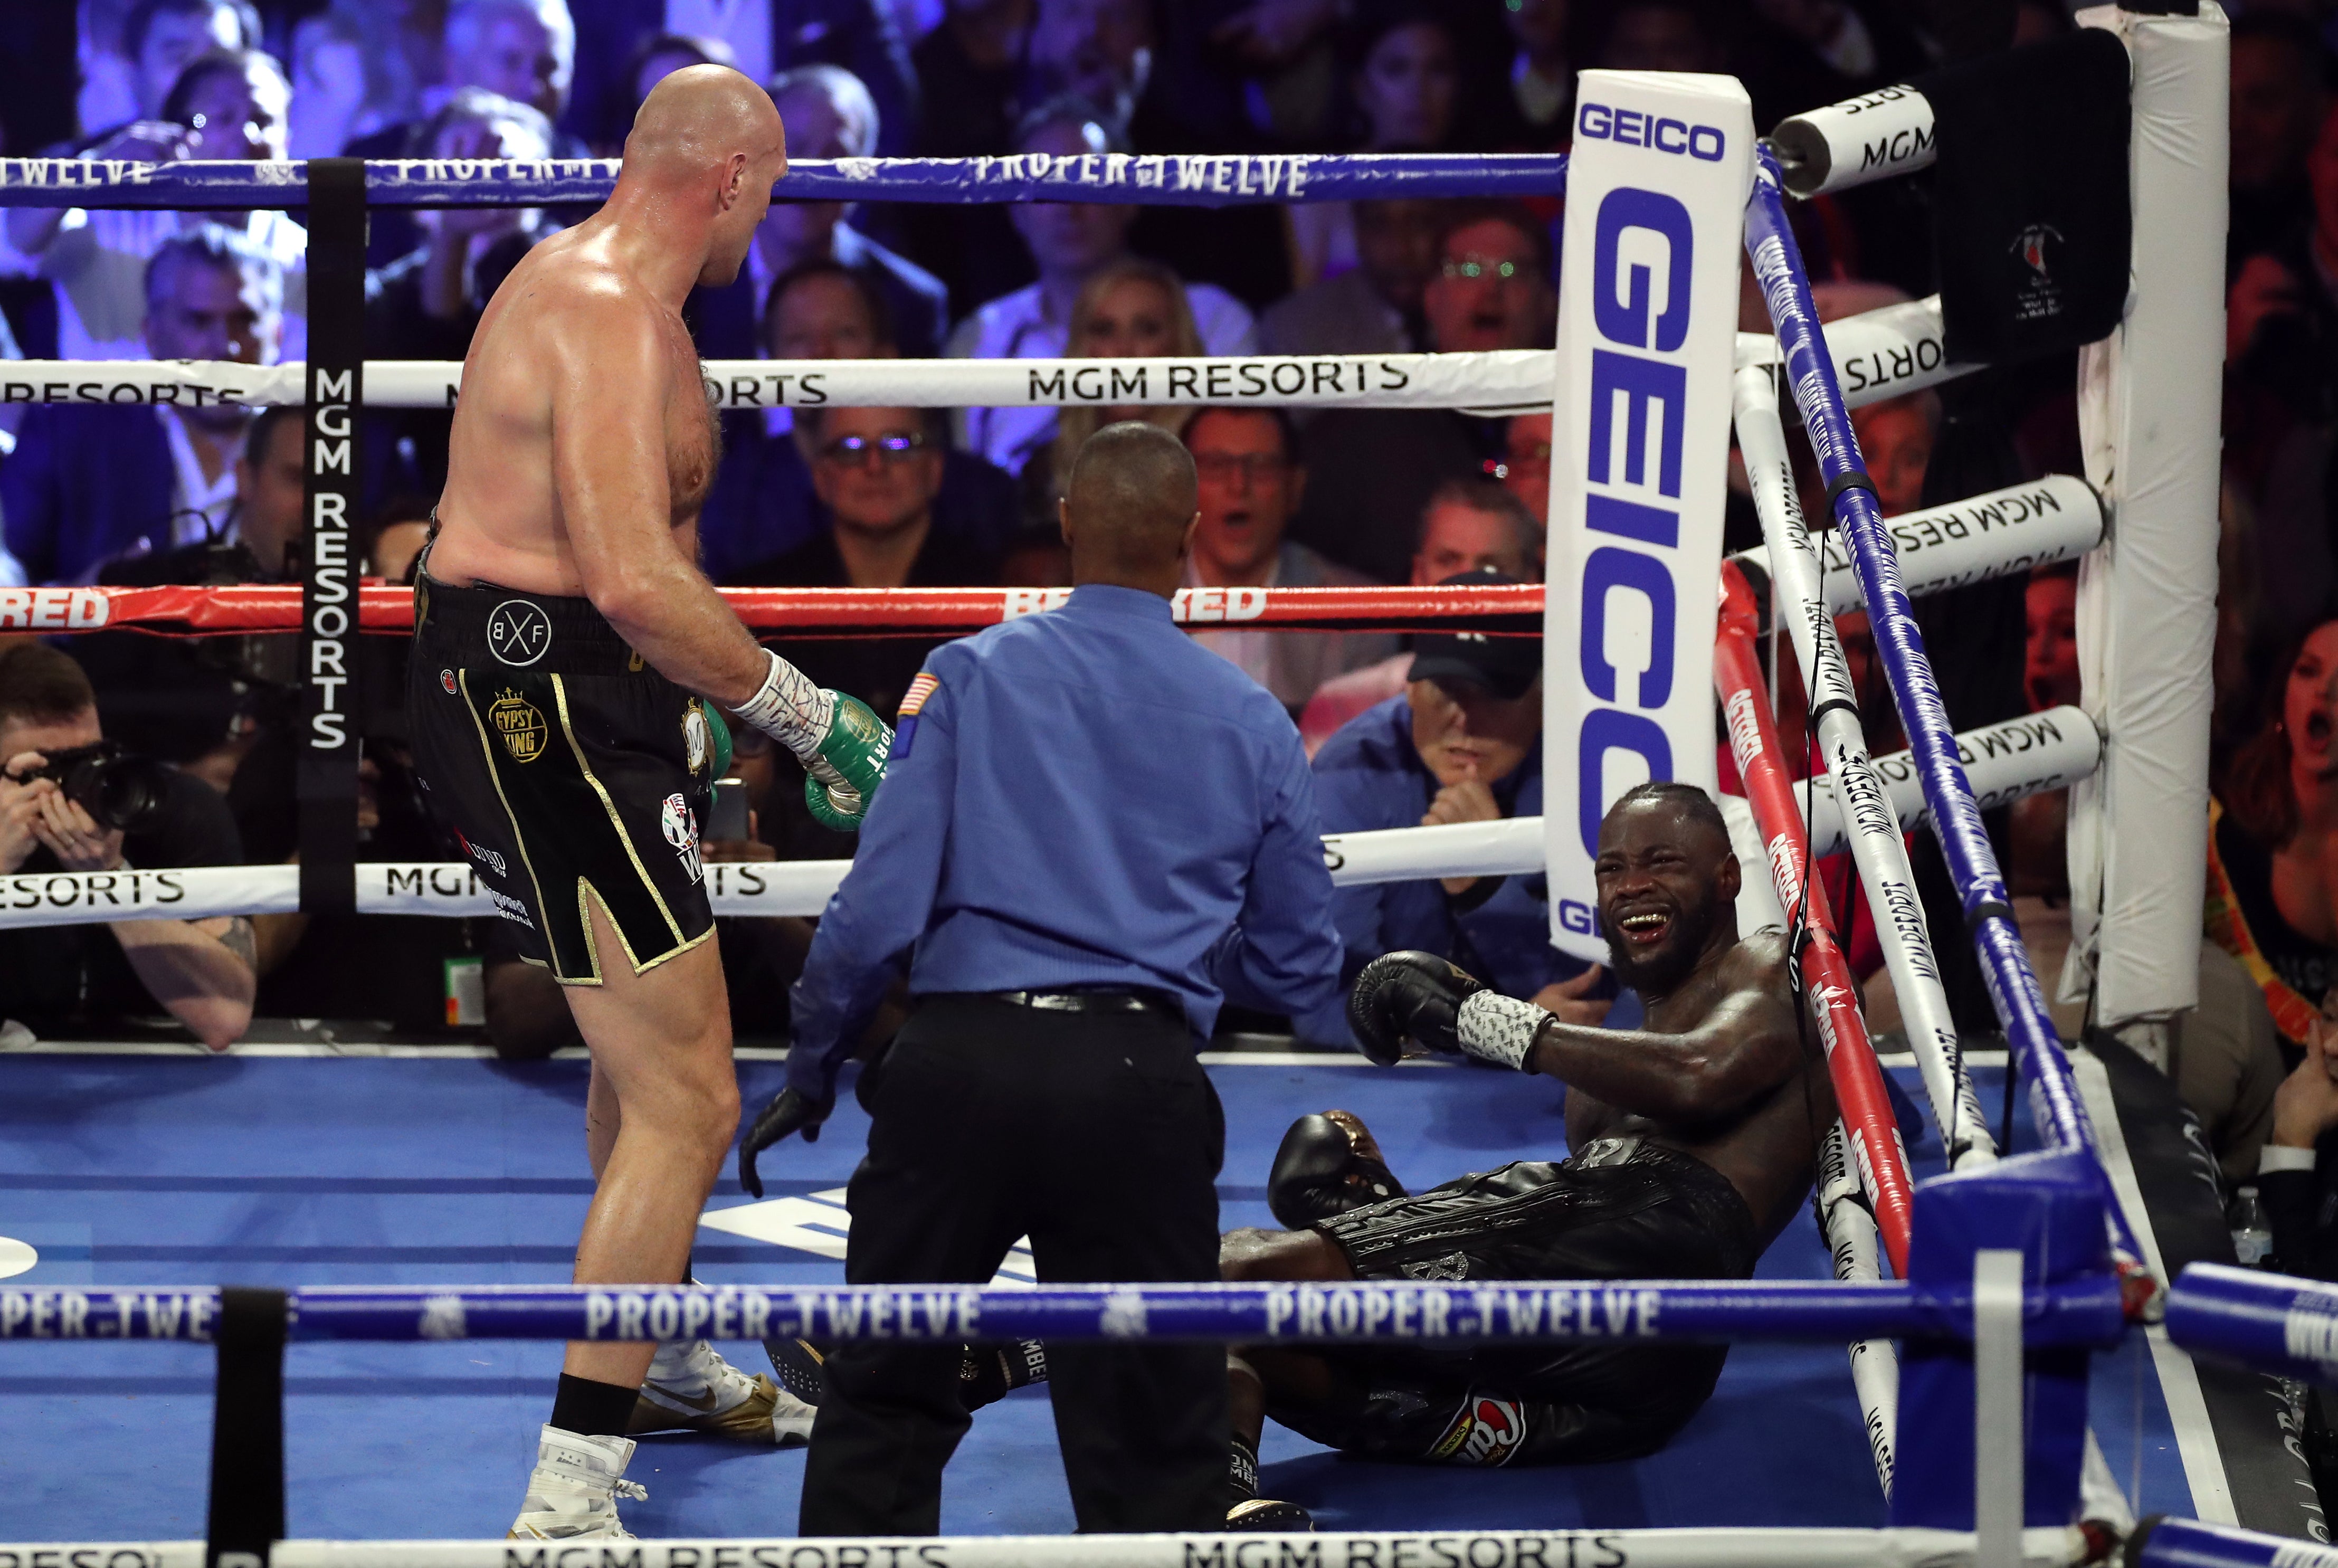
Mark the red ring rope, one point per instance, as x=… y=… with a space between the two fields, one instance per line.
x=196 y=609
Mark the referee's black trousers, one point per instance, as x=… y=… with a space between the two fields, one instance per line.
x=1096 y=1135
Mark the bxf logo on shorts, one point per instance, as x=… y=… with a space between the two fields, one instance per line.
x=679 y=823
x=1485 y=1431
x=518 y=631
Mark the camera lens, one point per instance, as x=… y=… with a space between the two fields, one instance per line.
x=118 y=791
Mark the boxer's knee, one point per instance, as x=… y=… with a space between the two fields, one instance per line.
x=1254 y=1254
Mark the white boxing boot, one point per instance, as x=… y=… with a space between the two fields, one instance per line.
x=690 y=1388
x=572 y=1494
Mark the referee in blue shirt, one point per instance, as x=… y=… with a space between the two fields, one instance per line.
x=1093 y=832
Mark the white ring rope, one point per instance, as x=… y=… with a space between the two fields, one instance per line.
x=1852 y=1237
x=1883 y=354
x=1873 y=820
x=1756 y=1547
x=2005 y=761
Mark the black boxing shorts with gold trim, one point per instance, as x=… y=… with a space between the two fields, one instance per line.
x=1617 y=1208
x=564 y=766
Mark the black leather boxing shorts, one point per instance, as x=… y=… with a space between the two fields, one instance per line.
x=1619 y=1208
x=564 y=767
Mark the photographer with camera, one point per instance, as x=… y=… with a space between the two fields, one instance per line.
x=72 y=801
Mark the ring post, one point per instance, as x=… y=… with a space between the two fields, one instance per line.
x=326 y=779
x=247 y=1498
x=2049 y=1207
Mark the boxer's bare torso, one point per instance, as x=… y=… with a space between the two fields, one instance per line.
x=500 y=516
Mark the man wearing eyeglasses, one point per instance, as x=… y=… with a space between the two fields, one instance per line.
x=1375 y=468
x=877 y=472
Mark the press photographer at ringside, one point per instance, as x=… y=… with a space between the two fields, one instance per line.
x=68 y=802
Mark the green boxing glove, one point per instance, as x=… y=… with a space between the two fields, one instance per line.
x=718 y=741
x=842 y=774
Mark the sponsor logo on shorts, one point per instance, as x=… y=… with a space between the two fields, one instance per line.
x=491 y=859
x=679 y=823
x=695 y=740
x=1450 y=1265
x=520 y=724
x=1485 y=1431
x=518 y=633
x=446 y=682
x=511 y=908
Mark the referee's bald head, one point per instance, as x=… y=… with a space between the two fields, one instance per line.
x=1131 y=498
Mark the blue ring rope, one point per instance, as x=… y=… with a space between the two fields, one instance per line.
x=2079 y=1312
x=1157 y=180
x=2013 y=988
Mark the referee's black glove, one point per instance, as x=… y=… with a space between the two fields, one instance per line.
x=790 y=1110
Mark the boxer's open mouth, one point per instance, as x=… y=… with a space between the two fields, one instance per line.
x=1644 y=927
x=2317 y=729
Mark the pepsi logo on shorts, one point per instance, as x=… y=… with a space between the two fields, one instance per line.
x=1485 y=1431
x=518 y=631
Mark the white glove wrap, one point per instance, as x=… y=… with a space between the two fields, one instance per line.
x=790 y=709
x=1497 y=1028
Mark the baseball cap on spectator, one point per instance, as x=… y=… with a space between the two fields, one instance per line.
x=1504 y=666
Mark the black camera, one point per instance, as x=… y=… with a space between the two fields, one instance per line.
x=117 y=789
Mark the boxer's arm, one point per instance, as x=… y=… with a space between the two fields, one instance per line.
x=611 y=372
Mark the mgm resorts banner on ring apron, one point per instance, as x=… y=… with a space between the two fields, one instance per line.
x=1656 y=186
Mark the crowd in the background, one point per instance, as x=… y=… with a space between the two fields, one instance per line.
x=1403 y=729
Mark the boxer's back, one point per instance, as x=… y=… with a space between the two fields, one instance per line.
x=500 y=514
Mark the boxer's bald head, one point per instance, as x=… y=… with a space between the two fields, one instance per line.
x=1129 y=508
x=708 y=134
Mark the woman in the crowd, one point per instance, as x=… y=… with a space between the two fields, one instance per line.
x=1404 y=81
x=1133 y=308
x=2272 y=840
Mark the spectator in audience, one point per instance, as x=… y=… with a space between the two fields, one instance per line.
x=1542 y=72
x=1660 y=35
x=1461 y=743
x=970 y=76
x=828 y=113
x=1469 y=525
x=200 y=702
x=2280 y=96
x=1804 y=53
x=90 y=483
x=53 y=978
x=2272 y=826
x=1896 y=436
x=1036 y=557
x=131 y=54
x=1525 y=466
x=1404 y=73
x=1375 y=468
x=425 y=304
x=1132 y=309
x=226 y=104
x=1373 y=307
x=763 y=504
x=1250 y=483
x=348 y=78
x=522 y=49
x=1099 y=52
x=1068 y=241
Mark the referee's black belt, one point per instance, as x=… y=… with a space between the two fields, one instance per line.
x=1125 y=999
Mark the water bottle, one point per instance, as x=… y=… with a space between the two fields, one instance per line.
x=2252 y=1232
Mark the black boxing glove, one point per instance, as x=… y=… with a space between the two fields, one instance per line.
x=1328 y=1164
x=1408 y=995
x=790 y=1110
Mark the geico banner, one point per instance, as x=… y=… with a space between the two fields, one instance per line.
x=1647 y=336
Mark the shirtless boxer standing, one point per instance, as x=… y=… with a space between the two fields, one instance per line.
x=1693 y=1142
x=561 y=630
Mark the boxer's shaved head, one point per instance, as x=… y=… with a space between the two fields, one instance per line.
x=1130 y=505
x=702 y=114
x=708 y=133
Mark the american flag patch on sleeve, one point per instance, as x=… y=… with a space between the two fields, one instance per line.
x=915 y=698
x=905 y=727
